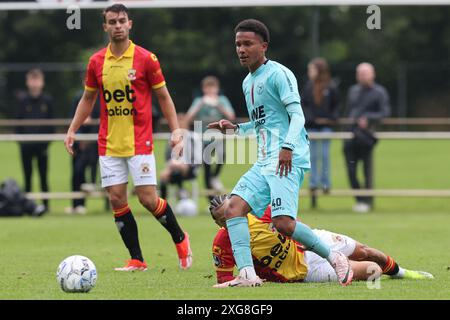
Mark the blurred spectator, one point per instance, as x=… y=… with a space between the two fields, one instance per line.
x=320 y=103
x=211 y=106
x=185 y=168
x=367 y=104
x=35 y=104
x=85 y=158
x=156 y=115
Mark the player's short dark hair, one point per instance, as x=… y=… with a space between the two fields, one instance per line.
x=116 y=8
x=216 y=202
x=253 y=25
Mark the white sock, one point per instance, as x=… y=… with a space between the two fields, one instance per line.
x=400 y=273
x=247 y=273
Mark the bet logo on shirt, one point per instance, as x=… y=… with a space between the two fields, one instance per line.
x=119 y=95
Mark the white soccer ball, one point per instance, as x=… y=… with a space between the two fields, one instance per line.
x=76 y=274
x=186 y=207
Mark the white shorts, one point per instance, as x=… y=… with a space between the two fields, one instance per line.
x=115 y=170
x=319 y=269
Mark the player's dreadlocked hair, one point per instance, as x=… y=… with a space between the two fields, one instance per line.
x=216 y=202
x=256 y=26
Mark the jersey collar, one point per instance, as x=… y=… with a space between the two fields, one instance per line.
x=128 y=53
x=260 y=68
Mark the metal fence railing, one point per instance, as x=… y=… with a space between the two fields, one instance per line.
x=341 y=121
x=427 y=193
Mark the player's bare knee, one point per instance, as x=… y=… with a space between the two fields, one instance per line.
x=233 y=210
x=117 y=199
x=284 y=225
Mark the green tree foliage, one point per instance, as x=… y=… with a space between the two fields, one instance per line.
x=192 y=43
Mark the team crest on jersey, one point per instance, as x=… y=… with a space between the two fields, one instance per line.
x=217 y=261
x=131 y=74
x=217 y=250
x=145 y=168
x=260 y=88
x=241 y=186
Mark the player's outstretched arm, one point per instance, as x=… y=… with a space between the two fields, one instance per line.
x=167 y=107
x=84 y=110
x=170 y=114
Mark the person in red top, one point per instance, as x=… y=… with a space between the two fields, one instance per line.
x=280 y=259
x=126 y=75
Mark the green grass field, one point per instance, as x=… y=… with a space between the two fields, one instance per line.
x=415 y=231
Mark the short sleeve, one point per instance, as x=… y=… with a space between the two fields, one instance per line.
x=91 y=83
x=286 y=86
x=154 y=73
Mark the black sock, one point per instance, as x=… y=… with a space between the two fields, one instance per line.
x=163 y=189
x=129 y=232
x=391 y=268
x=218 y=168
x=396 y=269
x=165 y=216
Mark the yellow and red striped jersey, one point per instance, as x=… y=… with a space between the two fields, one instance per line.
x=125 y=84
x=275 y=257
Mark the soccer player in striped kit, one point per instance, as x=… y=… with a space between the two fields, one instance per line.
x=126 y=75
x=281 y=259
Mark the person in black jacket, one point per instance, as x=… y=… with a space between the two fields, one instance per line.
x=85 y=157
x=320 y=102
x=35 y=104
x=367 y=104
